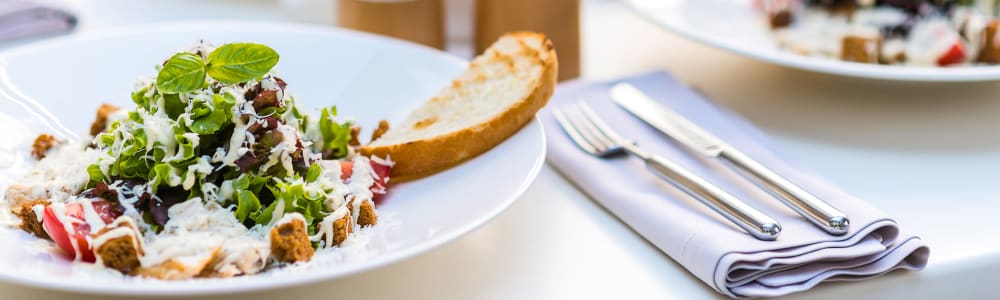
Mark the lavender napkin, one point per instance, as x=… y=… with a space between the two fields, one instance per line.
x=717 y=252
x=23 y=18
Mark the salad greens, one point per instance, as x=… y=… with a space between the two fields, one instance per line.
x=217 y=125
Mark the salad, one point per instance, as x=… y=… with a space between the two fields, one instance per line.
x=892 y=32
x=214 y=173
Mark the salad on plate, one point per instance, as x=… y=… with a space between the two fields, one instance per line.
x=215 y=172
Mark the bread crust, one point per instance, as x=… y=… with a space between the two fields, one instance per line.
x=419 y=158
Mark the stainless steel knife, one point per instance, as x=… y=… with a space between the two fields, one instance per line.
x=817 y=211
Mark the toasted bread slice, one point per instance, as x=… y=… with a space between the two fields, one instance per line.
x=499 y=93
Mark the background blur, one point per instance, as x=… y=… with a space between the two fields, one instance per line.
x=446 y=24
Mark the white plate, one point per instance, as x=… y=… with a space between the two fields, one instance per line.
x=367 y=77
x=734 y=26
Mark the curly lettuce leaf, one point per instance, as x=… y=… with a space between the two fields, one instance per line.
x=335 y=136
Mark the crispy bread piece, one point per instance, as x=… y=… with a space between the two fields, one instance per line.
x=29 y=221
x=499 y=93
x=342 y=228
x=42 y=144
x=290 y=242
x=861 y=49
x=990 y=52
x=121 y=250
x=101 y=121
x=366 y=213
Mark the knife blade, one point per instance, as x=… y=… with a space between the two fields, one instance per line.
x=685 y=132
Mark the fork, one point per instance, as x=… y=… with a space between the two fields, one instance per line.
x=593 y=136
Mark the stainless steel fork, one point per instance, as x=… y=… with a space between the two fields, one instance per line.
x=591 y=134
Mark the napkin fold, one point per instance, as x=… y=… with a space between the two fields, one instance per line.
x=23 y=18
x=714 y=250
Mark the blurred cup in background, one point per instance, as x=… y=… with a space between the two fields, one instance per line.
x=557 y=19
x=419 y=21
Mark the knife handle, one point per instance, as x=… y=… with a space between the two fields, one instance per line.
x=817 y=211
x=750 y=219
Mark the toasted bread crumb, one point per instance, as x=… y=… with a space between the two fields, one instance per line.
x=383 y=126
x=342 y=228
x=290 y=242
x=355 y=131
x=42 y=144
x=29 y=221
x=366 y=214
x=990 y=51
x=101 y=122
x=861 y=49
x=119 y=253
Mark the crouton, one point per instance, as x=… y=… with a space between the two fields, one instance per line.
x=341 y=229
x=118 y=246
x=29 y=220
x=862 y=49
x=780 y=19
x=290 y=241
x=101 y=122
x=383 y=126
x=366 y=213
x=42 y=144
x=990 y=52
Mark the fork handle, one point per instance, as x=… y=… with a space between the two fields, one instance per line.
x=750 y=219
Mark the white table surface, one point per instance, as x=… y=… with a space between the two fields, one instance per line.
x=923 y=150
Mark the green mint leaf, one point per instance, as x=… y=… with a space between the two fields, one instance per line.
x=239 y=62
x=183 y=72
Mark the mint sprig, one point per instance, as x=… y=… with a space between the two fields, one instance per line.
x=231 y=63
x=238 y=62
x=183 y=72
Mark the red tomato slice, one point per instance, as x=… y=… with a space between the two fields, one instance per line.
x=379 y=187
x=346 y=169
x=954 y=55
x=81 y=230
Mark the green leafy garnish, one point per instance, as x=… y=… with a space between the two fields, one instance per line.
x=183 y=72
x=238 y=62
x=336 y=136
x=201 y=130
x=218 y=115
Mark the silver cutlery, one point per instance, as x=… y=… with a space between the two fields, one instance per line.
x=817 y=211
x=591 y=134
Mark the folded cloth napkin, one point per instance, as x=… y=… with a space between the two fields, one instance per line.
x=716 y=251
x=23 y=18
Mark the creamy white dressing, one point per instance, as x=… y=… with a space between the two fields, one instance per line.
x=90 y=215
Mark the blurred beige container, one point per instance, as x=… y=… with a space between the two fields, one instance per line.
x=557 y=19
x=419 y=21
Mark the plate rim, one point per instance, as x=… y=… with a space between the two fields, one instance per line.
x=819 y=64
x=308 y=277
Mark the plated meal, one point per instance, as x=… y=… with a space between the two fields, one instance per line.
x=888 y=32
x=217 y=172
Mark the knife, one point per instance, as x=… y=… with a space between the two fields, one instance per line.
x=817 y=211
